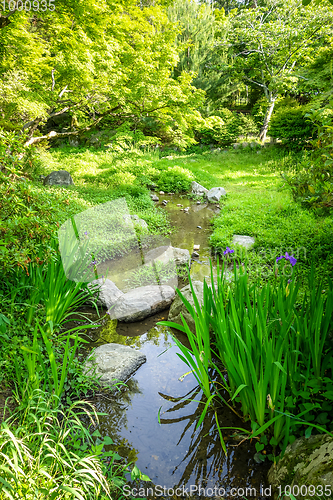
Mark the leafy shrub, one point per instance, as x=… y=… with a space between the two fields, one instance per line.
x=259 y=110
x=290 y=124
x=218 y=130
x=15 y=158
x=247 y=125
x=224 y=127
x=175 y=179
x=312 y=183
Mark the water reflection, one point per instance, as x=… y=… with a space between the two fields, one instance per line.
x=173 y=453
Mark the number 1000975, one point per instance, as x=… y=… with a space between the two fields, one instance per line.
x=28 y=5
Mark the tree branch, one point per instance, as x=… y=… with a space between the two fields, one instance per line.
x=56 y=135
x=4 y=20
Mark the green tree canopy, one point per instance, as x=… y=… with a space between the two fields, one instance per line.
x=90 y=59
x=269 y=43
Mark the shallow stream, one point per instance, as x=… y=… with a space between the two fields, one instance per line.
x=173 y=453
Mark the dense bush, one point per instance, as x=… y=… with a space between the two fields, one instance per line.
x=175 y=179
x=224 y=127
x=312 y=183
x=291 y=125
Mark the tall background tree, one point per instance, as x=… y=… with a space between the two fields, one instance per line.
x=270 y=43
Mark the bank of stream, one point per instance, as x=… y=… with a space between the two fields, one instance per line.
x=153 y=421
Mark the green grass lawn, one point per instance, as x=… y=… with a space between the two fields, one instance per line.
x=258 y=203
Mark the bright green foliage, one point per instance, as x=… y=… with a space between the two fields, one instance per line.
x=195 y=41
x=291 y=125
x=277 y=356
x=269 y=42
x=316 y=76
x=312 y=183
x=49 y=66
x=52 y=454
x=224 y=128
x=175 y=179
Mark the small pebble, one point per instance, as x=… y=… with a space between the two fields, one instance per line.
x=165 y=201
x=198 y=202
x=196 y=247
x=195 y=254
x=179 y=205
x=199 y=227
x=162 y=192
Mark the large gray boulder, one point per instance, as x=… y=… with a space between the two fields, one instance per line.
x=164 y=254
x=113 y=363
x=305 y=462
x=214 y=194
x=58 y=178
x=198 y=189
x=106 y=291
x=139 y=303
x=178 y=307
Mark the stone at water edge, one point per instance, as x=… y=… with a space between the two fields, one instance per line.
x=112 y=363
x=154 y=197
x=198 y=189
x=136 y=221
x=305 y=462
x=142 y=302
x=214 y=194
x=178 y=307
x=107 y=292
x=244 y=241
x=58 y=178
x=164 y=254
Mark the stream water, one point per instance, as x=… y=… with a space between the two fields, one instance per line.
x=173 y=452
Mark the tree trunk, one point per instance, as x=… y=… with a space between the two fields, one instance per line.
x=263 y=131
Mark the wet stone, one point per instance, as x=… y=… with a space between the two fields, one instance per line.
x=107 y=292
x=113 y=363
x=198 y=189
x=214 y=194
x=142 y=302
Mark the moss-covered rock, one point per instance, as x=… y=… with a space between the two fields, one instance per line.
x=305 y=462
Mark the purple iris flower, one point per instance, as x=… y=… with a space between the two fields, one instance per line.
x=86 y=233
x=227 y=251
x=286 y=256
x=93 y=263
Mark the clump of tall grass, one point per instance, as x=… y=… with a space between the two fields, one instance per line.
x=47 y=453
x=274 y=350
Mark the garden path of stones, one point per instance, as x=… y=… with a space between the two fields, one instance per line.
x=111 y=361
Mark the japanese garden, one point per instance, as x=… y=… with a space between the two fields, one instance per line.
x=166 y=249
